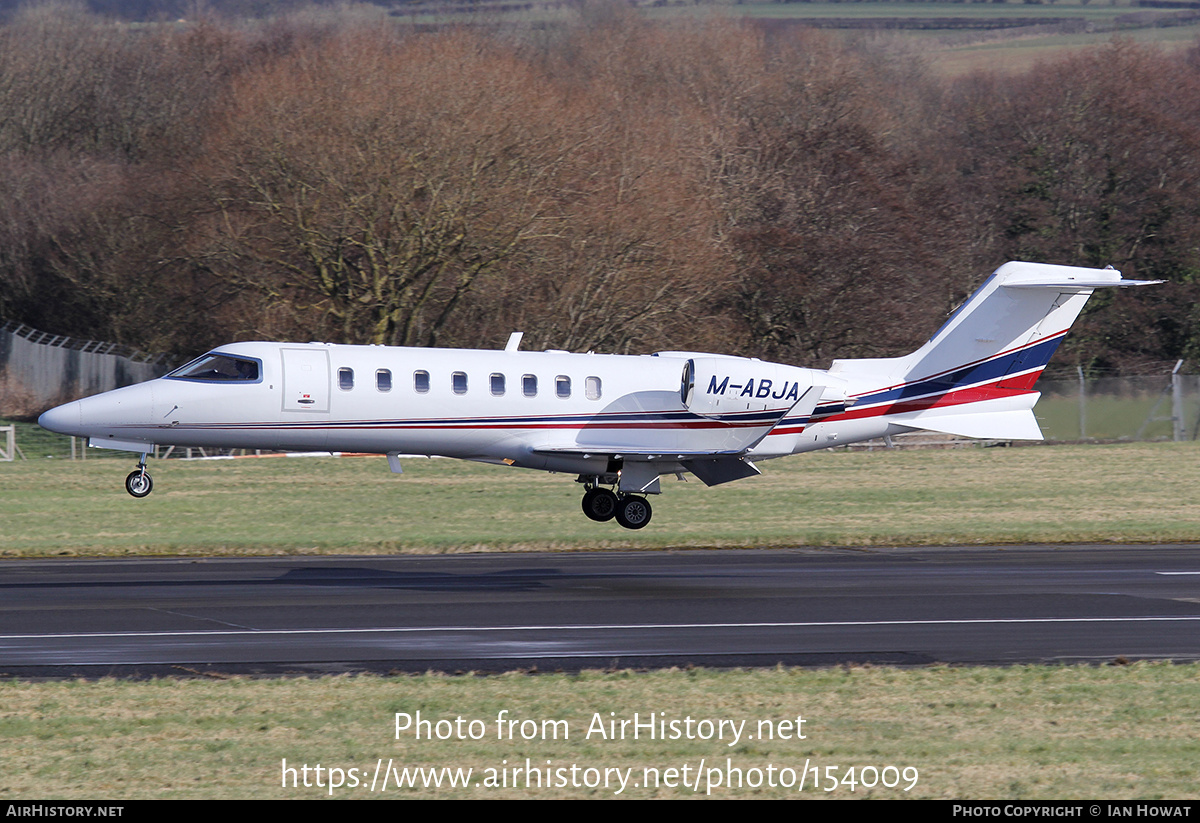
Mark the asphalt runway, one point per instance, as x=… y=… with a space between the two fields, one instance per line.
x=978 y=605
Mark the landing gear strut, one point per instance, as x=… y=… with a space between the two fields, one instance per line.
x=600 y=505
x=139 y=483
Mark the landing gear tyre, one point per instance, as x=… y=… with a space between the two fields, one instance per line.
x=139 y=484
x=600 y=504
x=633 y=512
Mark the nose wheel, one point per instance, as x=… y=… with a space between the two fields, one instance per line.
x=139 y=483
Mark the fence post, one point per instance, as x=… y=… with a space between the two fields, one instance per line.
x=1177 y=404
x=9 y=452
x=1082 y=404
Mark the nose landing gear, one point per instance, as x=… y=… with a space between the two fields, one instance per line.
x=139 y=483
x=601 y=505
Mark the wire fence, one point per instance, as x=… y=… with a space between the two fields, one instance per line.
x=24 y=440
x=43 y=338
x=39 y=369
x=1154 y=407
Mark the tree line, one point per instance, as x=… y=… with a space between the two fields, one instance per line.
x=611 y=184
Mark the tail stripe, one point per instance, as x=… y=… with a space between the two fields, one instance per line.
x=1031 y=358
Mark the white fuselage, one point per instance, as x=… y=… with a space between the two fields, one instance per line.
x=498 y=406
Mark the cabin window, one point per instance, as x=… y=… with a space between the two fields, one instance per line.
x=458 y=381
x=498 y=385
x=219 y=368
x=345 y=378
x=529 y=385
x=562 y=386
x=421 y=381
x=591 y=387
x=383 y=380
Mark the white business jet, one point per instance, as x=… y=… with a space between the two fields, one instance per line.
x=618 y=422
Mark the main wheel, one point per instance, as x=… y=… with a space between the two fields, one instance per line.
x=600 y=504
x=633 y=512
x=138 y=483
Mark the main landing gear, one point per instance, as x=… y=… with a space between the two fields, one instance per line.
x=631 y=511
x=139 y=483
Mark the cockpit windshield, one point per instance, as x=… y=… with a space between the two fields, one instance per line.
x=219 y=368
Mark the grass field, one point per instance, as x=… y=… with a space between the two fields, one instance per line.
x=1115 y=732
x=951 y=50
x=954 y=52
x=1018 y=54
x=1095 y=12
x=1136 y=492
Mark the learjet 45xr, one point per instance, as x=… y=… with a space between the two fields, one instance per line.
x=617 y=422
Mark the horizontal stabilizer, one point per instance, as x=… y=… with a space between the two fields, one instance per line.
x=1067 y=278
x=1068 y=283
x=1002 y=425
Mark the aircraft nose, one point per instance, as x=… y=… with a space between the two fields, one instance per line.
x=64 y=419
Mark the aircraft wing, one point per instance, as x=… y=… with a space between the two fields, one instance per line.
x=712 y=466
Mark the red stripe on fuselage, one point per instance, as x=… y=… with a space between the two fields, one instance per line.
x=957 y=397
x=972 y=364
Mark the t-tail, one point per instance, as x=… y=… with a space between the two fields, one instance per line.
x=975 y=376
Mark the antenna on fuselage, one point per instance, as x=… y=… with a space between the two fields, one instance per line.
x=514 y=341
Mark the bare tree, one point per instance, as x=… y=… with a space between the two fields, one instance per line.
x=1095 y=160
x=375 y=182
x=833 y=225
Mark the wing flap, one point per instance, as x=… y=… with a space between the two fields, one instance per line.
x=714 y=471
x=675 y=455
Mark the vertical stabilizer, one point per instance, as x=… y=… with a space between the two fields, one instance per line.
x=986 y=358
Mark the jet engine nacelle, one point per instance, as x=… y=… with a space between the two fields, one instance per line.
x=716 y=386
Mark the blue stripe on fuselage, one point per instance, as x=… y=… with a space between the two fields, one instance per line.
x=1023 y=359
